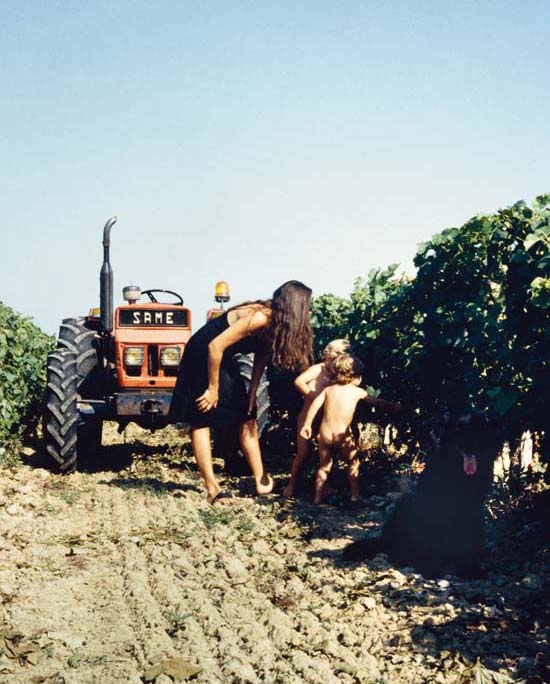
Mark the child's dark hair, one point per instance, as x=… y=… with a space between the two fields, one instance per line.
x=344 y=368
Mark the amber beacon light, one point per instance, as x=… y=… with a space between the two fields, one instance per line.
x=221 y=292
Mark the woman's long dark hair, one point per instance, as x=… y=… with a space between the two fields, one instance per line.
x=289 y=335
x=290 y=331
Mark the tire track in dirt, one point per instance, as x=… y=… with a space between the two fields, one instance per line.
x=137 y=607
x=70 y=590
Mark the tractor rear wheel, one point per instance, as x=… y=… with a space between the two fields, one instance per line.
x=61 y=419
x=245 y=363
x=226 y=439
x=75 y=336
x=76 y=355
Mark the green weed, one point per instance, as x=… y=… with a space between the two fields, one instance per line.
x=212 y=517
x=177 y=619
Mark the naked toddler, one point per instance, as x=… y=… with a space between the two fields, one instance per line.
x=310 y=383
x=340 y=401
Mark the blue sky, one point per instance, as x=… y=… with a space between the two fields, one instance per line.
x=256 y=141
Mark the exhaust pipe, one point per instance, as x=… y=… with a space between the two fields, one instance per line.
x=106 y=280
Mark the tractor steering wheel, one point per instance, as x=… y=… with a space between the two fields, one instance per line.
x=154 y=300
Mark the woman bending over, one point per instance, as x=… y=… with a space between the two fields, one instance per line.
x=210 y=392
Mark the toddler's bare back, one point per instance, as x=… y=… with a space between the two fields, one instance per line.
x=339 y=407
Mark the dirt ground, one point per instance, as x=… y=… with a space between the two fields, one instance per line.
x=123 y=573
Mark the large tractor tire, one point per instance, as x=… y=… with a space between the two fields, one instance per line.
x=226 y=440
x=79 y=343
x=245 y=363
x=77 y=338
x=61 y=419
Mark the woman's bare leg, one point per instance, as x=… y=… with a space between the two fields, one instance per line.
x=200 y=441
x=250 y=445
x=325 y=466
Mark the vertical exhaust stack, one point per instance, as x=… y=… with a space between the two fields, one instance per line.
x=106 y=280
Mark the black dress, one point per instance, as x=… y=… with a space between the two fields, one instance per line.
x=192 y=379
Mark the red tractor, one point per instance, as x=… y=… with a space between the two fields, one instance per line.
x=120 y=366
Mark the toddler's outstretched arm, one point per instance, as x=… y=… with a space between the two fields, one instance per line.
x=316 y=404
x=382 y=404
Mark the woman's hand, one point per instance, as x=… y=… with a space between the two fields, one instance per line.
x=208 y=400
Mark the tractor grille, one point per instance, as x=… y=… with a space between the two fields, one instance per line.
x=153 y=359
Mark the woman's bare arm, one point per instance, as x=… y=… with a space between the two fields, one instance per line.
x=240 y=329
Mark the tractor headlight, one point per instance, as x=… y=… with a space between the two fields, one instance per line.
x=170 y=357
x=134 y=356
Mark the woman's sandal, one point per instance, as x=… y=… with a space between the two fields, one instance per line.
x=220 y=497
